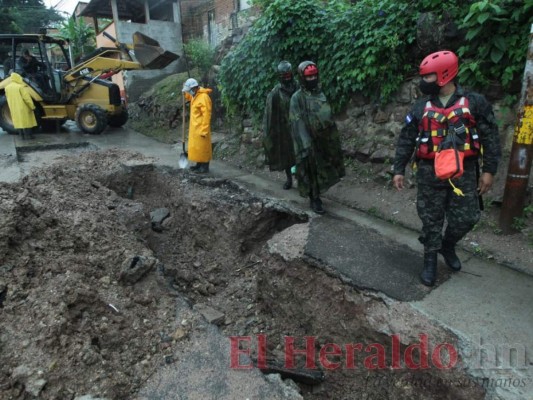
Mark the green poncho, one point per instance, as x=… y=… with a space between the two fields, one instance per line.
x=277 y=140
x=317 y=146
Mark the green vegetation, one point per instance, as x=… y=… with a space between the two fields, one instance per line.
x=81 y=36
x=26 y=16
x=367 y=46
x=199 y=55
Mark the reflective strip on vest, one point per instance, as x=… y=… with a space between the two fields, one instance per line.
x=434 y=127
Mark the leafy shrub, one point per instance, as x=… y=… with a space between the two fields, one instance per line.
x=199 y=55
x=496 y=41
x=367 y=46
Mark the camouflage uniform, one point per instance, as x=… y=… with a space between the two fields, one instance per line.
x=317 y=145
x=277 y=141
x=435 y=199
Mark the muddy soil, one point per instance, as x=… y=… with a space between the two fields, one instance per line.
x=95 y=249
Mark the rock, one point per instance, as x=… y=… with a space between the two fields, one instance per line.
x=404 y=93
x=135 y=267
x=137 y=166
x=381 y=155
x=380 y=117
x=21 y=373
x=289 y=388
x=364 y=152
x=89 y=397
x=179 y=334
x=35 y=386
x=210 y=314
x=157 y=217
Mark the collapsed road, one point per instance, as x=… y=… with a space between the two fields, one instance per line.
x=121 y=278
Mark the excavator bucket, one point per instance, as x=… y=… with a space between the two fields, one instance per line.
x=149 y=54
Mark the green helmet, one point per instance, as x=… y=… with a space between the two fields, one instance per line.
x=285 y=71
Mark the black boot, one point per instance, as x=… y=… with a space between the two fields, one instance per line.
x=316 y=205
x=448 y=252
x=204 y=168
x=429 y=274
x=195 y=167
x=288 y=184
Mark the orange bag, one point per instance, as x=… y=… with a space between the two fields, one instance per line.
x=449 y=163
x=450 y=156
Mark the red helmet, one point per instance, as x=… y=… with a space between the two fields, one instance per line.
x=307 y=68
x=443 y=63
x=311 y=70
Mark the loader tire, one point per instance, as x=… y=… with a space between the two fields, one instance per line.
x=118 y=120
x=6 y=122
x=91 y=118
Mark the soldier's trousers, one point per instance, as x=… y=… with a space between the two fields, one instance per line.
x=437 y=203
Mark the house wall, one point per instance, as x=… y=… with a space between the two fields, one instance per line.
x=168 y=34
x=229 y=15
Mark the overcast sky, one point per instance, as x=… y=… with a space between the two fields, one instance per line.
x=63 y=5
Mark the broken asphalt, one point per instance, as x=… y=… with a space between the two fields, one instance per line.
x=486 y=304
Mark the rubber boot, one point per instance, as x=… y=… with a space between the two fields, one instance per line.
x=316 y=205
x=448 y=252
x=28 y=134
x=204 y=168
x=288 y=184
x=429 y=273
x=195 y=167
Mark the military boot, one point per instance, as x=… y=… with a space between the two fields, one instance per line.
x=448 y=252
x=288 y=183
x=429 y=273
x=316 y=205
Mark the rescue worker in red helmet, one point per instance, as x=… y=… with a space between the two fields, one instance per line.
x=447 y=106
x=317 y=145
x=277 y=140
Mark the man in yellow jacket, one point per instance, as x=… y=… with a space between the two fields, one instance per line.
x=199 y=149
x=21 y=106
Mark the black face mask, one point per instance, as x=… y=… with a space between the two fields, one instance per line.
x=311 y=85
x=429 y=88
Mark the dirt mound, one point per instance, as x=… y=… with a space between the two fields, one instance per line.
x=96 y=249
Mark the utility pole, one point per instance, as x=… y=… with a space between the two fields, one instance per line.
x=521 y=151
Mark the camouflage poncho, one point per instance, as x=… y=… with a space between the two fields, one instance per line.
x=317 y=146
x=277 y=140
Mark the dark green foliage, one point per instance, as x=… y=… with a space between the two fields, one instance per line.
x=496 y=41
x=200 y=55
x=81 y=36
x=369 y=46
x=26 y=16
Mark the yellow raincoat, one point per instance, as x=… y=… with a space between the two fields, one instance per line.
x=199 y=148
x=20 y=103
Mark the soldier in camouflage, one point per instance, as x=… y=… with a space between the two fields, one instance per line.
x=277 y=140
x=317 y=146
x=424 y=129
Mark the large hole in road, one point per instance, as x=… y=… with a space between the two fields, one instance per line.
x=95 y=256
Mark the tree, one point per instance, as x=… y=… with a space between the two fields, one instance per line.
x=26 y=16
x=80 y=35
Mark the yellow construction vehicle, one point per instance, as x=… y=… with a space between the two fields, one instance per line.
x=81 y=92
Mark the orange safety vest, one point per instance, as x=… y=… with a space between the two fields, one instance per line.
x=434 y=127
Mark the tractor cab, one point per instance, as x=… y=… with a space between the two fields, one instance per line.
x=41 y=60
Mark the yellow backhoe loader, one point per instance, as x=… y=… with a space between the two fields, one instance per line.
x=81 y=92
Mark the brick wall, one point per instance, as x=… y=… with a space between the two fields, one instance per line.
x=195 y=21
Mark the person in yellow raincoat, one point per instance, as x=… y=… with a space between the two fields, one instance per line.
x=21 y=106
x=199 y=149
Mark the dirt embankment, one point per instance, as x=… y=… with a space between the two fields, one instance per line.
x=95 y=249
